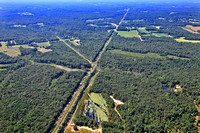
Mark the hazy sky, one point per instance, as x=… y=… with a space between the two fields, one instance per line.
x=45 y=1
x=83 y=0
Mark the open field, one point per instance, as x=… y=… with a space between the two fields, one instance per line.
x=93 y=20
x=96 y=108
x=20 y=26
x=1 y=65
x=176 y=57
x=128 y=34
x=100 y=19
x=158 y=27
x=10 y=51
x=151 y=55
x=192 y=29
x=73 y=42
x=24 y=46
x=43 y=44
x=143 y=30
x=82 y=129
x=182 y=39
x=160 y=35
x=43 y=50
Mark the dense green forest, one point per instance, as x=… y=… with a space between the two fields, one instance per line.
x=148 y=107
x=33 y=96
x=146 y=84
x=61 y=54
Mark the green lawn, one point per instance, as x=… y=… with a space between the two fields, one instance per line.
x=128 y=34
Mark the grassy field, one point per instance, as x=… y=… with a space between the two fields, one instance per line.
x=96 y=108
x=10 y=51
x=43 y=44
x=128 y=34
x=1 y=68
x=4 y=46
x=143 y=30
x=160 y=35
x=151 y=55
x=93 y=20
x=175 y=57
x=184 y=40
x=24 y=46
x=158 y=27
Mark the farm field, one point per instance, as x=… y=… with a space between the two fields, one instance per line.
x=96 y=108
x=128 y=34
x=192 y=29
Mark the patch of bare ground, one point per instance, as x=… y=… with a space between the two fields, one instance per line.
x=43 y=50
x=193 y=29
x=140 y=37
x=117 y=102
x=81 y=129
x=67 y=69
x=197 y=118
x=177 y=88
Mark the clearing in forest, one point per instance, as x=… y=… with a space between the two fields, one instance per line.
x=197 y=118
x=192 y=29
x=128 y=34
x=82 y=129
x=160 y=35
x=96 y=108
x=10 y=51
x=117 y=102
x=2 y=65
x=43 y=50
x=43 y=44
x=158 y=27
x=143 y=30
x=19 y=26
x=182 y=39
x=150 y=55
x=24 y=46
